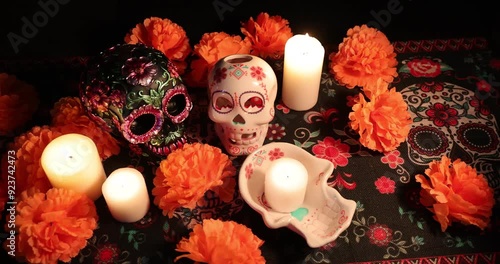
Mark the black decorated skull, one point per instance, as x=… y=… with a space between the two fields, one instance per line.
x=136 y=93
x=242 y=91
x=450 y=120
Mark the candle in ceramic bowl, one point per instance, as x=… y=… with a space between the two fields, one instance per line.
x=71 y=161
x=303 y=65
x=126 y=195
x=285 y=184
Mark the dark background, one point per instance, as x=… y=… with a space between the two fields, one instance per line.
x=86 y=27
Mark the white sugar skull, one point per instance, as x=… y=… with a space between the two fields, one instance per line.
x=242 y=91
x=450 y=120
x=135 y=92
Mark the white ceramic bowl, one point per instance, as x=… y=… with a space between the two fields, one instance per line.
x=324 y=213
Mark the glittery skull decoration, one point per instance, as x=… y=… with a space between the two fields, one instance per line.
x=242 y=91
x=136 y=93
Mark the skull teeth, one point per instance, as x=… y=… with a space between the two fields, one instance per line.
x=243 y=138
x=167 y=149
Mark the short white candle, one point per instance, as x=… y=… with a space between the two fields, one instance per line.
x=72 y=161
x=285 y=184
x=126 y=195
x=303 y=65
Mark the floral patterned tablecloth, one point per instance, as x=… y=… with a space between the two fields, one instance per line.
x=452 y=91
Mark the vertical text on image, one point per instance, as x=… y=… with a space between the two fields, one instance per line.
x=11 y=202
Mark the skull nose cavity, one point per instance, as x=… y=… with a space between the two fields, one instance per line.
x=238 y=119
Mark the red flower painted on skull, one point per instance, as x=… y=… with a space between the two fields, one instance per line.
x=442 y=115
x=257 y=73
x=139 y=71
x=275 y=154
x=332 y=150
x=248 y=171
x=220 y=74
x=480 y=106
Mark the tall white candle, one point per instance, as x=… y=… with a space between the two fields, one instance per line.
x=303 y=65
x=285 y=184
x=72 y=161
x=126 y=195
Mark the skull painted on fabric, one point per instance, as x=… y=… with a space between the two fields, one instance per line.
x=242 y=91
x=135 y=92
x=450 y=120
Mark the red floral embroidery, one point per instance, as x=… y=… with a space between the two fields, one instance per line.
x=379 y=234
x=385 y=185
x=483 y=86
x=431 y=86
x=480 y=106
x=424 y=67
x=257 y=73
x=495 y=64
x=148 y=220
x=276 y=154
x=107 y=253
x=339 y=181
x=393 y=159
x=442 y=115
x=332 y=150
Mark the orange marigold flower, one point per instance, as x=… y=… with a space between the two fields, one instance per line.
x=30 y=146
x=216 y=241
x=18 y=102
x=69 y=116
x=165 y=36
x=53 y=226
x=186 y=174
x=268 y=35
x=211 y=48
x=364 y=56
x=455 y=192
x=66 y=110
x=382 y=123
x=375 y=89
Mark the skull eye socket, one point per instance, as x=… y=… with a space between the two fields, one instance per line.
x=140 y=125
x=252 y=102
x=177 y=104
x=222 y=102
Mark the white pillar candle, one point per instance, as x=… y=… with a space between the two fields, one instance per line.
x=126 y=195
x=285 y=184
x=71 y=161
x=303 y=65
